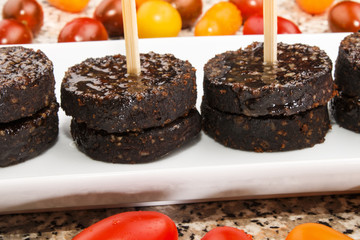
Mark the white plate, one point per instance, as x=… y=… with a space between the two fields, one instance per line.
x=204 y=170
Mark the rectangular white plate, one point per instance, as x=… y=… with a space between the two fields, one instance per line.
x=204 y=170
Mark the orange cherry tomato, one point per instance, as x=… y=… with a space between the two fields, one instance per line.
x=158 y=19
x=315 y=231
x=73 y=6
x=226 y=233
x=314 y=7
x=345 y=17
x=139 y=3
x=223 y=18
x=135 y=225
x=207 y=27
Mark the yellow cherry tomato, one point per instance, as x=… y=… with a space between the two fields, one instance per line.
x=315 y=231
x=73 y=6
x=158 y=19
x=223 y=18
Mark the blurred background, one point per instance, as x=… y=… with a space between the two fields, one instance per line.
x=83 y=20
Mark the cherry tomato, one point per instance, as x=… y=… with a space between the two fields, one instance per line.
x=83 y=29
x=344 y=17
x=190 y=11
x=226 y=233
x=315 y=231
x=158 y=19
x=136 y=225
x=28 y=12
x=139 y=3
x=314 y=7
x=73 y=6
x=223 y=18
x=249 y=7
x=207 y=27
x=109 y=12
x=255 y=25
x=14 y=32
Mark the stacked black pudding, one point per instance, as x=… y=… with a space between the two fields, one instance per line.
x=28 y=107
x=346 y=105
x=250 y=106
x=124 y=119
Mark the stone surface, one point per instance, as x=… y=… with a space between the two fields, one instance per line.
x=264 y=219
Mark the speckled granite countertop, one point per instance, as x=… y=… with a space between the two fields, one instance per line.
x=264 y=219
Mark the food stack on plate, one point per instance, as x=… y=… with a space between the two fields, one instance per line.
x=28 y=120
x=250 y=106
x=121 y=118
x=346 y=105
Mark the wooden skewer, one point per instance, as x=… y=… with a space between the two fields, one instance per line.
x=270 y=32
x=131 y=37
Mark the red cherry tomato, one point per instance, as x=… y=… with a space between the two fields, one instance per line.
x=136 y=225
x=249 y=7
x=14 y=32
x=226 y=233
x=344 y=17
x=255 y=25
x=28 y=12
x=109 y=12
x=83 y=29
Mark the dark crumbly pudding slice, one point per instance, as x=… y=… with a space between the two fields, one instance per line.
x=28 y=137
x=347 y=66
x=100 y=93
x=346 y=112
x=136 y=147
x=26 y=82
x=266 y=133
x=238 y=82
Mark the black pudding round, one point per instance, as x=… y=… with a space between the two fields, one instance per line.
x=27 y=82
x=266 y=133
x=28 y=137
x=346 y=112
x=100 y=93
x=136 y=147
x=238 y=82
x=347 y=66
